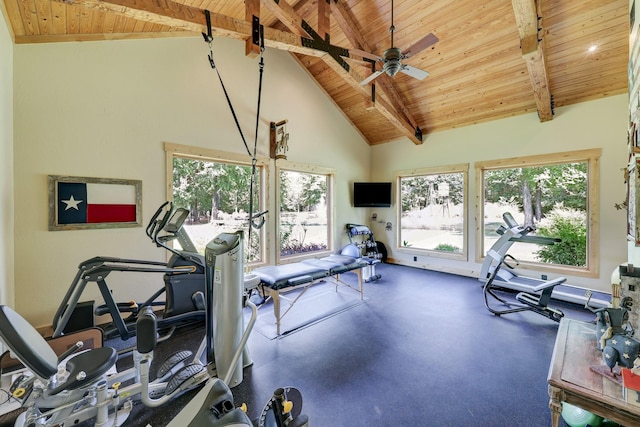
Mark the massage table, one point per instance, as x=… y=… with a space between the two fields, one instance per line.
x=283 y=278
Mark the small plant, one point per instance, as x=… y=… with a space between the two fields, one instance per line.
x=447 y=247
x=294 y=247
x=406 y=244
x=289 y=245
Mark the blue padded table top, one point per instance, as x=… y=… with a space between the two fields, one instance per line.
x=350 y=263
x=337 y=264
x=277 y=276
x=333 y=267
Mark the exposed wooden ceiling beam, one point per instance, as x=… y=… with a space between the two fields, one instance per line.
x=287 y=15
x=350 y=28
x=395 y=112
x=529 y=25
x=251 y=11
x=324 y=18
x=179 y=16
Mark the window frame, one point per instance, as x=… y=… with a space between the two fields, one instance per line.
x=592 y=158
x=462 y=168
x=310 y=169
x=206 y=154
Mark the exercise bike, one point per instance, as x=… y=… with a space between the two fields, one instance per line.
x=183 y=277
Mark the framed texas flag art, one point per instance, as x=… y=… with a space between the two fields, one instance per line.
x=77 y=203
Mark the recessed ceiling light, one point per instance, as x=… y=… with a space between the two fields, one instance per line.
x=592 y=48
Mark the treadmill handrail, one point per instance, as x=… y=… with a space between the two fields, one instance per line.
x=100 y=260
x=103 y=270
x=538 y=240
x=509 y=219
x=153 y=222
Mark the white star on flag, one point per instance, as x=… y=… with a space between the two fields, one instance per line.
x=71 y=203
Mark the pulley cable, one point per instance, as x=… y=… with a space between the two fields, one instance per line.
x=208 y=37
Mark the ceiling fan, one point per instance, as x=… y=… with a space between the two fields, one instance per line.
x=392 y=58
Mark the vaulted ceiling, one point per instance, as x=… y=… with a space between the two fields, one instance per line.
x=492 y=58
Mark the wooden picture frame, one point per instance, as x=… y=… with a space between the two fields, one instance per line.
x=81 y=203
x=633 y=201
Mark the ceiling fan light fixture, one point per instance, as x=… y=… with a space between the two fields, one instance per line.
x=392 y=58
x=392 y=68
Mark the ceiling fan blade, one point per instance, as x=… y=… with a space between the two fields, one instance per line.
x=414 y=72
x=428 y=40
x=363 y=54
x=371 y=78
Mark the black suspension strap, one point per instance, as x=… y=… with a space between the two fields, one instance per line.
x=209 y=39
x=252 y=218
x=255 y=220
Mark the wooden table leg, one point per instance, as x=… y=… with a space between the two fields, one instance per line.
x=555 y=405
x=275 y=295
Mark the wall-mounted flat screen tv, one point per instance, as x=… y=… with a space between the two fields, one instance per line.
x=372 y=194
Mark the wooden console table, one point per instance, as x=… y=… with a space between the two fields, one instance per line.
x=572 y=380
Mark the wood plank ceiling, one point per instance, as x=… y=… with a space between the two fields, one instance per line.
x=494 y=59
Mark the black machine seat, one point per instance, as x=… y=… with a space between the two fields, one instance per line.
x=34 y=352
x=27 y=344
x=87 y=367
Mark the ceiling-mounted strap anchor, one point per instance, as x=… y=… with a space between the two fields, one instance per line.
x=208 y=37
x=418 y=133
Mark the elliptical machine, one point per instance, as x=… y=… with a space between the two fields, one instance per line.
x=213 y=406
x=183 y=277
x=83 y=387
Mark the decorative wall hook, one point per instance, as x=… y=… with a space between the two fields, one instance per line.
x=279 y=139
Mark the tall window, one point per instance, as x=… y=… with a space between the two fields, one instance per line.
x=556 y=195
x=432 y=210
x=217 y=194
x=305 y=210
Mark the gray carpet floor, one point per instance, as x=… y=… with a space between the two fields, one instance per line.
x=421 y=351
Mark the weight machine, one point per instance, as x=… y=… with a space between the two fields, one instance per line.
x=364 y=247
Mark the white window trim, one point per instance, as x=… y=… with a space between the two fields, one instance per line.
x=304 y=168
x=173 y=150
x=447 y=169
x=592 y=157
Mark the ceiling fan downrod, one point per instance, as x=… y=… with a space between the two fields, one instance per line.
x=392 y=28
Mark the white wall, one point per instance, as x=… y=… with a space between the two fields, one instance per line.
x=595 y=124
x=6 y=166
x=104 y=109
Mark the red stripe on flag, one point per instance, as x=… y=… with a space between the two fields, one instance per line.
x=111 y=213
